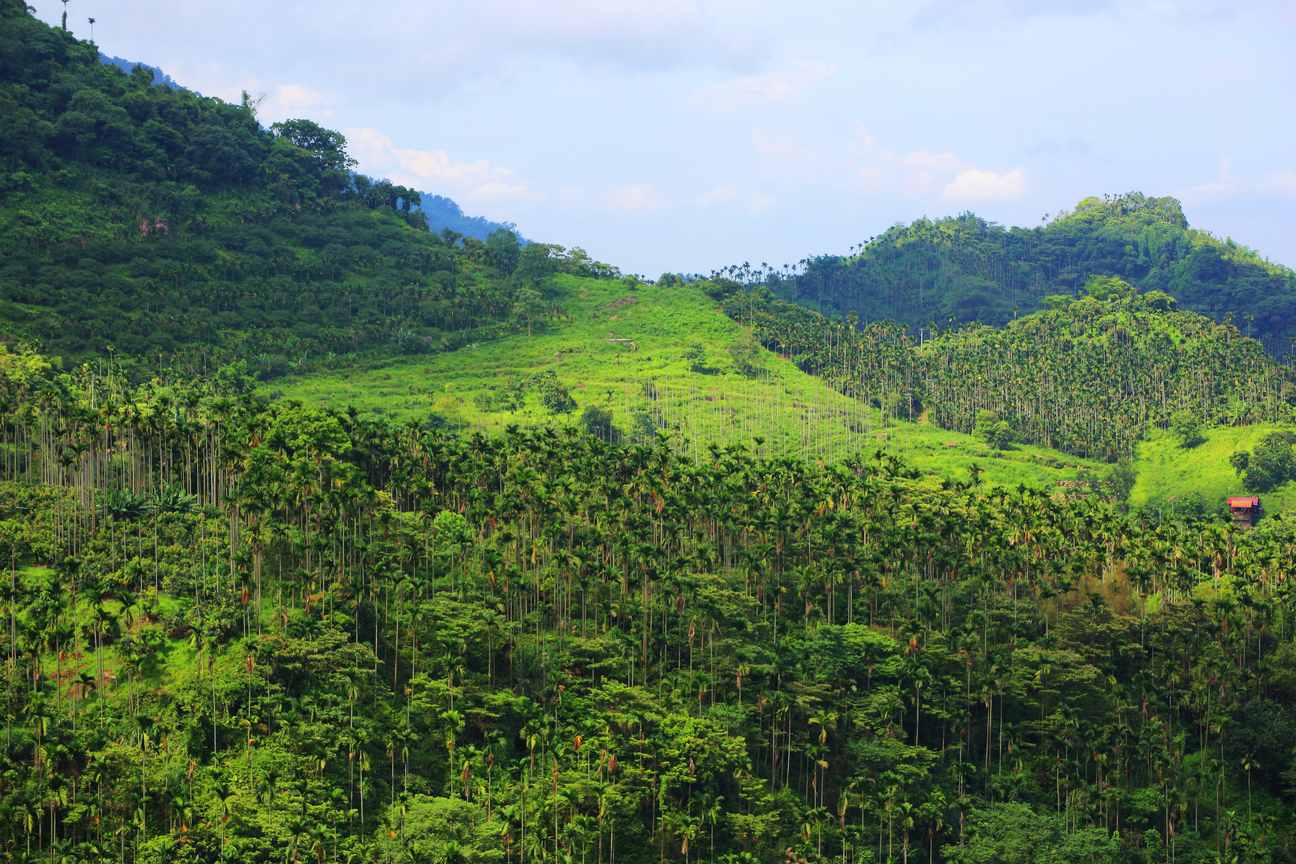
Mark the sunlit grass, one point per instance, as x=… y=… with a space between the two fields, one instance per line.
x=1168 y=473
x=793 y=413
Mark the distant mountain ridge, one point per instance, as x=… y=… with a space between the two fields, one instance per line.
x=442 y=213
x=159 y=77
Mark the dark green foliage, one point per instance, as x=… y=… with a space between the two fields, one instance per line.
x=537 y=262
x=408 y=647
x=1123 y=477
x=503 y=250
x=1271 y=464
x=989 y=428
x=144 y=222
x=553 y=392
x=1186 y=426
x=597 y=421
x=1086 y=376
x=745 y=354
x=964 y=269
x=696 y=357
x=528 y=304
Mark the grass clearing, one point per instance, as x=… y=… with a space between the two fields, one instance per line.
x=646 y=384
x=1169 y=475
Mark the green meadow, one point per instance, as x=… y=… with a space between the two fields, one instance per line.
x=778 y=410
x=622 y=348
x=1171 y=476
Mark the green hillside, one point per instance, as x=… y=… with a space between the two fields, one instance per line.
x=1187 y=481
x=964 y=269
x=333 y=540
x=157 y=226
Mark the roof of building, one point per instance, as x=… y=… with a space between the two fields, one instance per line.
x=1244 y=502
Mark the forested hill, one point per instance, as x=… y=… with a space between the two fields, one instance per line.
x=1088 y=376
x=149 y=223
x=963 y=268
x=128 y=66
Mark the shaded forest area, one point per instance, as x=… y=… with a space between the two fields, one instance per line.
x=963 y=269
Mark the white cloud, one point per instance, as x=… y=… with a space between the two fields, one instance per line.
x=633 y=199
x=754 y=90
x=1225 y=185
x=427 y=48
x=862 y=142
x=1278 y=183
x=433 y=170
x=924 y=161
x=973 y=185
x=290 y=100
x=770 y=145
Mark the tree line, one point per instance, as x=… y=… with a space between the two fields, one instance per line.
x=1087 y=376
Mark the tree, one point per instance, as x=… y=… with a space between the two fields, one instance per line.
x=328 y=147
x=994 y=431
x=598 y=422
x=1186 y=426
x=1271 y=464
x=553 y=393
x=527 y=304
x=536 y=264
x=503 y=250
x=696 y=357
x=1122 y=479
x=745 y=353
x=1108 y=287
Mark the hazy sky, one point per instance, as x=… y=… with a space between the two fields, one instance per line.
x=686 y=135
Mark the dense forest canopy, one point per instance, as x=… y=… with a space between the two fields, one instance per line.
x=240 y=632
x=1087 y=376
x=145 y=222
x=964 y=269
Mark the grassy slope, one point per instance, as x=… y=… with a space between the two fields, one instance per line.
x=1168 y=473
x=792 y=411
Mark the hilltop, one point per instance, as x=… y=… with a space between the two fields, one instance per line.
x=152 y=225
x=964 y=269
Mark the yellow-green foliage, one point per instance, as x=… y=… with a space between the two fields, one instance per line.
x=1169 y=474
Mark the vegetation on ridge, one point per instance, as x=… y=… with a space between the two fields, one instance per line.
x=145 y=223
x=964 y=269
x=1087 y=376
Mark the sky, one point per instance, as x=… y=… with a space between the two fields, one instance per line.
x=687 y=135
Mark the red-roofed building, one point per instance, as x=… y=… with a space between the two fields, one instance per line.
x=1246 y=511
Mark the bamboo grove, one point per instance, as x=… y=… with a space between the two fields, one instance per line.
x=235 y=631
x=1088 y=376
